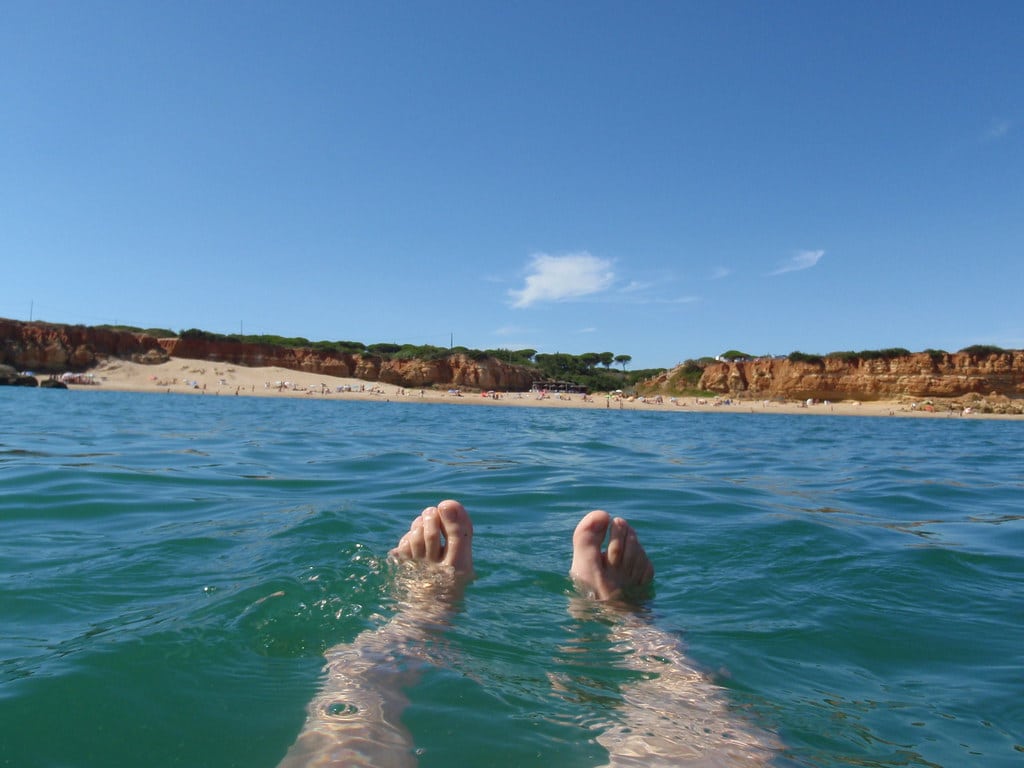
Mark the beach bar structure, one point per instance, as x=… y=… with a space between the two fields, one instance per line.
x=552 y=385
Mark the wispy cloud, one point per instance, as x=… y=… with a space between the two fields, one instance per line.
x=998 y=129
x=721 y=272
x=560 y=277
x=635 y=286
x=799 y=261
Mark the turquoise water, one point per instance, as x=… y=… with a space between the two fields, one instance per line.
x=855 y=584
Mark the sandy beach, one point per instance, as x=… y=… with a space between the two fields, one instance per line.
x=204 y=378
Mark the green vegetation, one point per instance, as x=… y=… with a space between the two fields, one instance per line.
x=583 y=370
x=196 y=333
x=849 y=356
x=871 y=354
x=424 y=352
x=512 y=356
x=801 y=357
x=690 y=372
x=885 y=354
x=590 y=369
x=685 y=379
x=983 y=350
x=159 y=333
x=844 y=356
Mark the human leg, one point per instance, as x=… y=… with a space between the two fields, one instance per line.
x=674 y=714
x=355 y=720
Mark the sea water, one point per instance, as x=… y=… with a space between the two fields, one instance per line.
x=856 y=585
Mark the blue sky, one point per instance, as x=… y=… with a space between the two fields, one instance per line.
x=663 y=180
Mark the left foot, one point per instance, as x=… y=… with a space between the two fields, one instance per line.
x=441 y=535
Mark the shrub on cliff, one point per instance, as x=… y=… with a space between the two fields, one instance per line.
x=846 y=357
x=870 y=354
x=734 y=354
x=983 y=350
x=199 y=334
x=803 y=357
x=157 y=333
x=383 y=349
x=884 y=354
x=687 y=375
x=351 y=346
x=422 y=352
x=513 y=356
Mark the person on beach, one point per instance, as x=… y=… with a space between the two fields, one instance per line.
x=674 y=715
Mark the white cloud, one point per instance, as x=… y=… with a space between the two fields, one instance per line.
x=801 y=260
x=567 y=276
x=635 y=286
x=721 y=272
x=511 y=330
x=997 y=130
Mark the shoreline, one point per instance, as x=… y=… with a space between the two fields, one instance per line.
x=200 y=377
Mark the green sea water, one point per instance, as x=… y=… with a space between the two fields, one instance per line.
x=854 y=585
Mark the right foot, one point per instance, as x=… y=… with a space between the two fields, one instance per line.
x=441 y=535
x=605 y=575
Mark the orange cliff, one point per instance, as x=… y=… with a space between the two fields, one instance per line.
x=918 y=375
x=53 y=348
x=456 y=370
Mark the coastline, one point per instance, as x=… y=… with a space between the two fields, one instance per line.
x=200 y=377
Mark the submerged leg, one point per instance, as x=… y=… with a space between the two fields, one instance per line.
x=673 y=715
x=355 y=720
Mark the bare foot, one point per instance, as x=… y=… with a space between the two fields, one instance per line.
x=441 y=535
x=605 y=575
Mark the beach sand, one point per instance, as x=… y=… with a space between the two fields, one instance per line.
x=198 y=377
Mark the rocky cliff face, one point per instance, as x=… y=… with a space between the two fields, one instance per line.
x=56 y=348
x=454 y=370
x=918 y=375
x=49 y=348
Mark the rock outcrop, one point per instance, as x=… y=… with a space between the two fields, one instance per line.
x=9 y=377
x=919 y=375
x=456 y=370
x=51 y=348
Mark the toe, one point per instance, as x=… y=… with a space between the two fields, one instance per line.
x=417 y=546
x=590 y=532
x=458 y=533
x=431 y=535
x=617 y=543
x=402 y=551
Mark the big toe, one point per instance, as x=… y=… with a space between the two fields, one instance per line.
x=590 y=533
x=588 y=562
